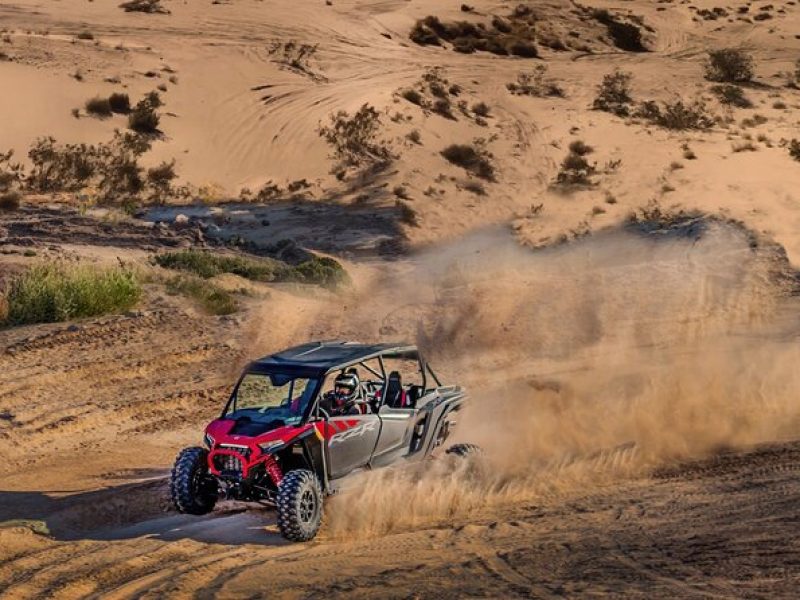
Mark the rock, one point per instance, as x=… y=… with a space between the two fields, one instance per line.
x=181 y=219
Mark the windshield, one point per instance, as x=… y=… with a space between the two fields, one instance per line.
x=281 y=399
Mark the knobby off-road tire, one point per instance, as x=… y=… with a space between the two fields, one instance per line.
x=299 y=505
x=192 y=489
x=464 y=450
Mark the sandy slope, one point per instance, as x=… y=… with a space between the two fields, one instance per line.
x=609 y=365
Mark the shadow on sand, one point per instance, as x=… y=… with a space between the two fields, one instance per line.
x=132 y=510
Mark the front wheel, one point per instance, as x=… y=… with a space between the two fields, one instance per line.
x=299 y=505
x=193 y=490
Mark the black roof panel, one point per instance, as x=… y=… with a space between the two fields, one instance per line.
x=325 y=356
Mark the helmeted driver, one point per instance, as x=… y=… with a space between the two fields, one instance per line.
x=344 y=397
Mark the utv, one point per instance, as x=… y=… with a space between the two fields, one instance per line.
x=278 y=442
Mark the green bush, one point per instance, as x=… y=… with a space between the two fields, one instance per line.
x=49 y=293
x=212 y=298
x=317 y=270
x=729 y=65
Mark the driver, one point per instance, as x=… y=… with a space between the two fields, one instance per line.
x=345 y=397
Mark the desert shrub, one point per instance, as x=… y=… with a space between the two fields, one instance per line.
x=754 y=121
x=731 y=95
x=160 y=180
x=317 y=270
x=10 y=200
x=354 y=139
x=481 y=109
x=213 y=299
x=535 y=84
x=423 y=35
x=614 y=94
x=575 y=169
x=580 y=148
x=99 y=107
x=653 y=217
x=729 y=65
x=473 y=158
x=513 y=35
x=50 y=293
x=12 y=174
x=523 y=48
x=112 y=168
x=119 y=103
x=414 y=136
x=794 y=149
x=60 y=168
x=143 y=118
x=85 y=35
x=145 y=6
x=677 y=115
x=443 y=107
x=413 y=96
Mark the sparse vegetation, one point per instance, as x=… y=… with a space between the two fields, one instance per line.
x=794 y=149
x=481 y=109
x=575 y=168
x=119 y=103
x=112 y=169
x=213 y=299
x=317 y=270
x=99 y=107
x=354 y=139
x=677 y=114
x=474 y=159
x=732 y=95
x=143 y=118
x=729 y=65
x=50 y=293
x=514 y=35
x=145 y=6
x=614 y=94
x=295 y=56
x=536 y=83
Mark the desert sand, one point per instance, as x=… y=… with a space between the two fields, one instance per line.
x=632 y=381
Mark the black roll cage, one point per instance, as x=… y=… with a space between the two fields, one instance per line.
x=319 y=375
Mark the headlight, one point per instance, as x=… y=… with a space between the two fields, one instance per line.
x=208 y=440
x=270 y=446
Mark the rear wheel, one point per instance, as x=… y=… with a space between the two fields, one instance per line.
x=193 y=490
x=299 y=505
x=464 y=450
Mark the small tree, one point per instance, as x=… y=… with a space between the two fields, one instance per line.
x=354 y=139
x=729 y=65
x=614 y=94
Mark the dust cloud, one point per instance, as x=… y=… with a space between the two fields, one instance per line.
x=587 y=363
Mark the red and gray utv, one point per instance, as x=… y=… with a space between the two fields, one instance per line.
x=279 y=442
